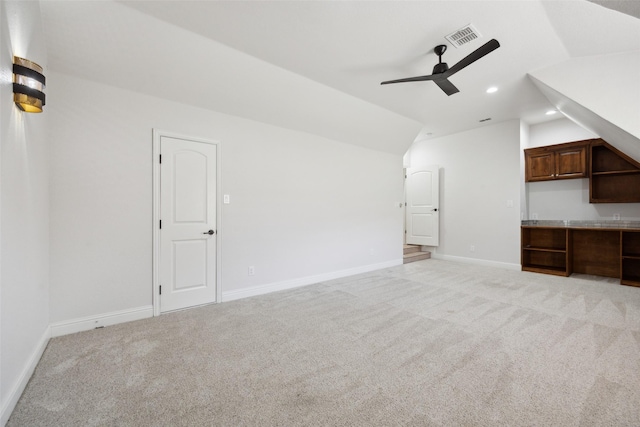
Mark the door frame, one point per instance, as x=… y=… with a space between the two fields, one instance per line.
x=157 y=135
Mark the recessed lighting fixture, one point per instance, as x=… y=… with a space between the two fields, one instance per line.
x=492 y=89
x=551 y=112
x=485 y=120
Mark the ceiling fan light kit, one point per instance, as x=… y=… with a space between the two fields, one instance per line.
x=442 y=72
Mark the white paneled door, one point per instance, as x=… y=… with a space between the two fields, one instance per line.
x=187 y=237
x=422 y=206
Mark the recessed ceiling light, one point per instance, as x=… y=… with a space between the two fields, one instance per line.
x=492 y=89
x=550 y=112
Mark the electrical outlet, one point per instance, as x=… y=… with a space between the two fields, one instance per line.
x=616 y=217
x=509 y=203
x=251 y=271
x=472 y=248
x=534 y=216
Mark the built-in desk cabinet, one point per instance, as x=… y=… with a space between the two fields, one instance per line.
x=562 y=251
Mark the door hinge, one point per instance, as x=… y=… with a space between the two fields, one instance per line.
x=160 y=289
x=160 y=158
x=160 y=224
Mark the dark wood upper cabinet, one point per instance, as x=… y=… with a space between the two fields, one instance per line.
x=540 y=165
x=562 y=161
x=571 y=162
x=613 y=176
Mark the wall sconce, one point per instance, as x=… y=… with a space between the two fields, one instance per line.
x=28 y=83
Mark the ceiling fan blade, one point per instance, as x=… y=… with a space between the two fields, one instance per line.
x=446 y=86
x=483 y=50
x=410 y=79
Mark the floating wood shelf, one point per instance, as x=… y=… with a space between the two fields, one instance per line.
x=614 y=176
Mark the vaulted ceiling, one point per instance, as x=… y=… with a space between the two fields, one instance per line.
x=316 y=66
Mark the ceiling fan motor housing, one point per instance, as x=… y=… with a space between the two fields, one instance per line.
x=440 y=68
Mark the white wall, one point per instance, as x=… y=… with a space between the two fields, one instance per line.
x=301 y=205
x=568 y=199
x=480 y=173
x=24 y=211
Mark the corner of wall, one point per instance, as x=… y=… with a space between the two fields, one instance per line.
x=24 y=212
x=524 y=195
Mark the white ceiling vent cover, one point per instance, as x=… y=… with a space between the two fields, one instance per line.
x=463 y=36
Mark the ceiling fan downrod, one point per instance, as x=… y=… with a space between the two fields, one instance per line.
x=440 y=67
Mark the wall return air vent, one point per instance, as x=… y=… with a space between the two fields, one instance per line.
x=463 y=36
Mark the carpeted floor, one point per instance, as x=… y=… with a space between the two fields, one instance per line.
x=432 y=343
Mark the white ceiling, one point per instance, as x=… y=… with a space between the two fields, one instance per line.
x=348 y=46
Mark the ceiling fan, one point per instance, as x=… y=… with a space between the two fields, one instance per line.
x=442 y=72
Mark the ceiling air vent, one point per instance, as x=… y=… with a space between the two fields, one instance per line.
x=463 y=36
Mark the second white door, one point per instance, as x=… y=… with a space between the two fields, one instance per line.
x=422 y=206
x=188 y=235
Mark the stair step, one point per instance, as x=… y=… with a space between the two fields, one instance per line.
x=415 y=256
x=409 y=249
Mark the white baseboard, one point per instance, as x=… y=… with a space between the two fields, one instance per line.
x=18 y=387
x=476 y=261
x=91 y=322
x=304 y=281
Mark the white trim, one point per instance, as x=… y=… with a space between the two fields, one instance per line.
x=304 y=281
x=16 y=390
x=476 y=261
x=155 y=235
x=105 y=319
x=155 y=273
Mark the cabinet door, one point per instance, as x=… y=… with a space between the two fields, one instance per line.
x=571 y=162
x=540 y=165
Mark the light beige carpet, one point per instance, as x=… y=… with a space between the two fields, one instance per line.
x=432 y=343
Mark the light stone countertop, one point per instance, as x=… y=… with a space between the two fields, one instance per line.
x=605 y=224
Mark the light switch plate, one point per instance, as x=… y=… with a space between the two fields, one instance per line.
x=226 y=199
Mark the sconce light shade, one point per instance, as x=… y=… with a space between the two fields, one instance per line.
x=28 y=84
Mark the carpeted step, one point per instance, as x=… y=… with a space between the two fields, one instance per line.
x=416 y=256
x=409 y=249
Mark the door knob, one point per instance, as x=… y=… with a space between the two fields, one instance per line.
x=435 y=210
x=210 y=232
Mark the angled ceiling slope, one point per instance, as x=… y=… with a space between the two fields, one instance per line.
x=601 y=93
x=92 y=40
x=630 y=7
x=316 y=66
